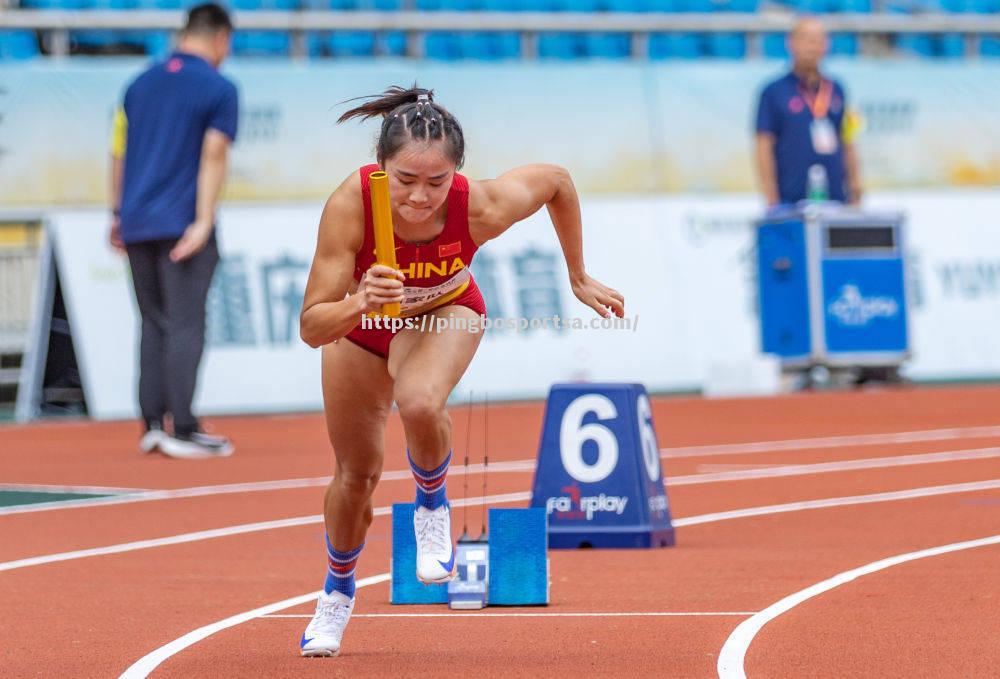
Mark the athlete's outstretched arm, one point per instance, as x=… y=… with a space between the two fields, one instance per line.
x=498 y=204
x=328 y=313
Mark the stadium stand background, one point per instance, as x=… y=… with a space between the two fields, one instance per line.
x=446 y=45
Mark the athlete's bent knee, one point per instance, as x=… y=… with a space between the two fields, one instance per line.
x=419 y=405
x=359 y=484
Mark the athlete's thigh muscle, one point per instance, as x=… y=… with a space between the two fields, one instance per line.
x=357 y=396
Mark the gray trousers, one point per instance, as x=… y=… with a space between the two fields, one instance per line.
x=171 y=299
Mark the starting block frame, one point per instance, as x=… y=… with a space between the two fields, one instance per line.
x=517 y=564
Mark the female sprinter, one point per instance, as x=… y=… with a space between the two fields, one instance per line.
x=440 y=219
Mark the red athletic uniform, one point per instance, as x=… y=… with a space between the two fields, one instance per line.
x=437 y=273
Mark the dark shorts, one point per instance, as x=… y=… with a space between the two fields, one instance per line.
x=376 y=340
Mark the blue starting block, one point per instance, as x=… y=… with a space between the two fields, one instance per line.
x=511 y=569
x=519 y=560
x=406 y=589
x=599 y=477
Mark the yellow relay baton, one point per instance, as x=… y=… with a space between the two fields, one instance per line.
x=385 y=245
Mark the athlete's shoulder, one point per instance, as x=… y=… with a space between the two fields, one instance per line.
x=480 y=200
x=348 y=194
x=343 y=217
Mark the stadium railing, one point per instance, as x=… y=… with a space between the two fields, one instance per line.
x=520 y=34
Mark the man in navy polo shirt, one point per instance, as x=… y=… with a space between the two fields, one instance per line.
x=801 y=122
x=169 y=154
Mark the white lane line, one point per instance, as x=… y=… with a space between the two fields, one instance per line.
x=834 y=442
x=768 y=471
x=460 y=615
x=49 y=488
x=148 y=663
x=197 y=536
x=247 y=487
x=139 y=495
x=733 y=654
x=226 y=532
x=689 y=521
x=891 y=496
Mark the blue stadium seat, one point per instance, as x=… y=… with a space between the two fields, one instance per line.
x=813 y=6
x=629 y=5
x=448 y=5
x=352 y=43
x=774 y=46
x=970 y=6
x=443 y=46
x=262 y=43
x=916 y=44
x=478 y=46
x=726 y=45
x=745 y=6
x=52 y=4
x=951 y=45
x=608 y=45
x=98 y=39
x=157 y=43
x=990 y=47
x=852 y=6
x=913 y=44
x=391 y=43
x=18 y=45
x=490 y=46
x=166 y=4
x=729 y=45
x=561 y=46
x=675 y=46
x=504 y=5
x=844 y=44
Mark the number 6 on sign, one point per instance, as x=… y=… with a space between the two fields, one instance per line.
x=598 y=473
x=573 y=434
x=650 y=450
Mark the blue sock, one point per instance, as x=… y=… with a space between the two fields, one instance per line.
x=430 y=484
x=340 y=569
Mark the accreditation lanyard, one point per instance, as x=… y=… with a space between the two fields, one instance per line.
x=818 y=103
x=823 y=136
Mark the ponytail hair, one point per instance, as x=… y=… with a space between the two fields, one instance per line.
x=410 y=114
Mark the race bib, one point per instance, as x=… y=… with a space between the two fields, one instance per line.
x=824 y=137
x=418 y=300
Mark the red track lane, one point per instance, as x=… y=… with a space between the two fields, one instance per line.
x=935 y=617
x=738 y=565
x=108 y=611
x=87 y=527
x=270 y=447
x=141 y=600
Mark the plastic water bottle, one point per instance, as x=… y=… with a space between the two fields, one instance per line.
x=817 y=185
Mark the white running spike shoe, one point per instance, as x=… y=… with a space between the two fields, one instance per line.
x=326 y=629
x=435 y=551
x=196 y=445
x=152 y=439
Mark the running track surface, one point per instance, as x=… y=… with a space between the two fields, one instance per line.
x=933 y=616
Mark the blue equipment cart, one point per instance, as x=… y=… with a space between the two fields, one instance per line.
x=832 y=284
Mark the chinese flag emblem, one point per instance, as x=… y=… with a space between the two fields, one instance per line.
x=449 y=249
